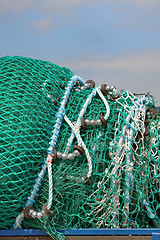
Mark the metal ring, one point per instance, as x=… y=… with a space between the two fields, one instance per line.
x=153 y=112
x=103 y=89
x=83 y=123
x=26 y=211
x=46 y=210
x=79 y=149
x=113 y=98
x=92 y=83
x=103 y=120
x=54 y=155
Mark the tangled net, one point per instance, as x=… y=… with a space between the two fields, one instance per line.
x=95 y=150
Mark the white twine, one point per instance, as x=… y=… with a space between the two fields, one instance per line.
x=81 y=143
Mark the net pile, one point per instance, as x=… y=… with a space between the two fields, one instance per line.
x=102 y=159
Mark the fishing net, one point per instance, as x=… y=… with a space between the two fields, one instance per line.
x=73 y=155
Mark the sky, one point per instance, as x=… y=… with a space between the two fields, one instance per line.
x=116 y=42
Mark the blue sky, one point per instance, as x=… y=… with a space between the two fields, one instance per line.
x=116 y=42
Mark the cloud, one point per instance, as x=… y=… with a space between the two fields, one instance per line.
x=135 y=15
x=63 y=6
x=141 y=4
x=11 y=10
x=140 y=60
x=68 y=11
x=7 y=6
x=144 y=4
x=50 y=6
x=42 y=25
x=138 y=24
x=135 y=71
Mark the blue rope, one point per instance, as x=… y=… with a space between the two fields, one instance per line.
x=60 y=115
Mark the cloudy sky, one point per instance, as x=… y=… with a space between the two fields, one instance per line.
x=116 y=42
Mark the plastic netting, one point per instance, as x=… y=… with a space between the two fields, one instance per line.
x=113 y=184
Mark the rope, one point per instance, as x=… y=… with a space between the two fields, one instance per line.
x=81 y=144
x=48 y=162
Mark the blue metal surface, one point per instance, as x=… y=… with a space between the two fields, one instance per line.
x=23 y=232
x=85 y=232
x=109 y=232
x=156 y=236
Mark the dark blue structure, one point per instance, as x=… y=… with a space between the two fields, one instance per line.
x=154 y=232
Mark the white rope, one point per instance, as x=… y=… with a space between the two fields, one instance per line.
x=17 y=222
x=81 y=143
x=75 y=130
x=48 y=162
x=105 y=103
x=50 y=197
x=82 y=112
x=78 y=123
x=77 y=126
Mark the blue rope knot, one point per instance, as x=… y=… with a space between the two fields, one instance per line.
x=33 y=193
x=50 y=152
x=30 y=201
x=51 y=144
x=55 y=133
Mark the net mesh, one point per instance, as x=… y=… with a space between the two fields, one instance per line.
x=123 y=189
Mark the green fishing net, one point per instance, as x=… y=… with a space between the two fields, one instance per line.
x=121 y=151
